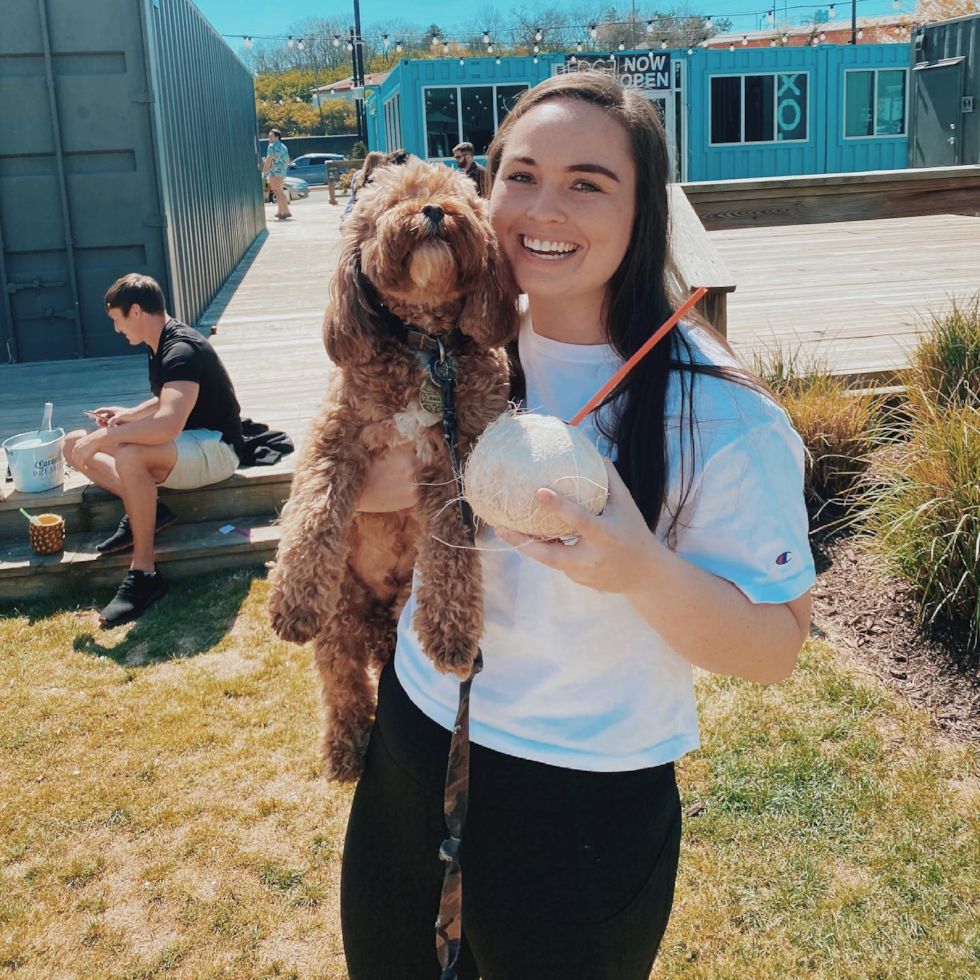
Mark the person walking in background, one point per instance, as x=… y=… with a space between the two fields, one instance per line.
x=360 y=178
x=463 y=155
x=275 y=168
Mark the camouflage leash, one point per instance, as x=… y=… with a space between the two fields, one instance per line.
x=449 y=925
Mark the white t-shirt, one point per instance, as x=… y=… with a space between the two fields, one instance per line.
x=577 y=678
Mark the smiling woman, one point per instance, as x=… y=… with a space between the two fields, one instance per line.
x=586 y=699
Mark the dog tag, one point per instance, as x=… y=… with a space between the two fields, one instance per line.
x=431 y=397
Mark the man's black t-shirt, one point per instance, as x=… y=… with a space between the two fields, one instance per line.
x=185 y=355
x=478 y=175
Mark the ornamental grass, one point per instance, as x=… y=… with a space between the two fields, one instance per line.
x=838 y=422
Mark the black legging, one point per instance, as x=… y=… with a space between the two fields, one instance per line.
x=566 y=874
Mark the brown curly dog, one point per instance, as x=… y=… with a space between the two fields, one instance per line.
x=418 y=252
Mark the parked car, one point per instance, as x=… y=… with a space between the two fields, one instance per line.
x=293 y=186
x=312 y=167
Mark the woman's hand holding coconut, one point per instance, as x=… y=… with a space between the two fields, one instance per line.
x=615 y=551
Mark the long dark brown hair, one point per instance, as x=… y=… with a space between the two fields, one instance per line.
x=638 y=299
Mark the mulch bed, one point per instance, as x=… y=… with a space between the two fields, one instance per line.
x=872 y=616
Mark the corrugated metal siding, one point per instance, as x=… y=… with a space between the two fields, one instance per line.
x=825 y=150
x=81 y=186
x=73 y=221
x=873 y=153
x=958 y=38
x=212 y=188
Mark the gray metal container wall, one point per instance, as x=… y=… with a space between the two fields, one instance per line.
x=127 y=144
x=953 y=45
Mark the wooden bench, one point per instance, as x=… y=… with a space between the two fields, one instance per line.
x=763 y=202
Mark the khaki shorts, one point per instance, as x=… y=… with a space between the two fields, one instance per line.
x=202 y=458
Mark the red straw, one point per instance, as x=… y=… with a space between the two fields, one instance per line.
x=611 y=384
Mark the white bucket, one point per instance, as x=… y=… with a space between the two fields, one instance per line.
x=36 y=460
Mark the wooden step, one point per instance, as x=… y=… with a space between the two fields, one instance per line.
x=86 y=508
x=181 y=550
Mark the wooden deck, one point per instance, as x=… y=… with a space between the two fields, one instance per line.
x=849 y=292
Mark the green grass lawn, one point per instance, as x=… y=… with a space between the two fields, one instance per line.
x=161 y=814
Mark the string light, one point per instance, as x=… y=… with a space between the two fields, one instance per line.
x=731 y=47
x=861 y=34
x=462 y=62
x=895 y=5
x=650 y=25
x=498 y=61
x=573 y=60
x=535 y=59
x=690 y=51
x=535 y=49
x=772 y=43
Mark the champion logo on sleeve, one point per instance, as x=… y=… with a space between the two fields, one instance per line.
x=784 y=558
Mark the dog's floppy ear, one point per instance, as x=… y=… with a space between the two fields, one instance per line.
x=490 y=312
x=350 y=332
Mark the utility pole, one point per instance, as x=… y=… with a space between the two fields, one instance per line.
x=854 y=22
x=359 y=73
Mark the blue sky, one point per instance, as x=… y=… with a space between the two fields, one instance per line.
x=262 y=17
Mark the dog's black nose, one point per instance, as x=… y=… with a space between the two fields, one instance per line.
x=434 y=213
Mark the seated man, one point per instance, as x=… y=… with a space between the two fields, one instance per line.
x=189 y=434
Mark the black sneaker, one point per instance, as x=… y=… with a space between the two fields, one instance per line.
x=122 y=537
x=137 y=593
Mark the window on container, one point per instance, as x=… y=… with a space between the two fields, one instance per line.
x=393 y=124
x=441 y=121
x=859 y=103
x=507 y=95
x=478 y=126
x=890 y=103
x=791 y=102
x=726 y=109
x=759 y=108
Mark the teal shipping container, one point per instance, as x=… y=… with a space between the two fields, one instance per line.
x=127 y=144
x=751 y=112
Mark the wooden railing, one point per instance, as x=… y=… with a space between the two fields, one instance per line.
x=696 y=262
x=766 y=201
